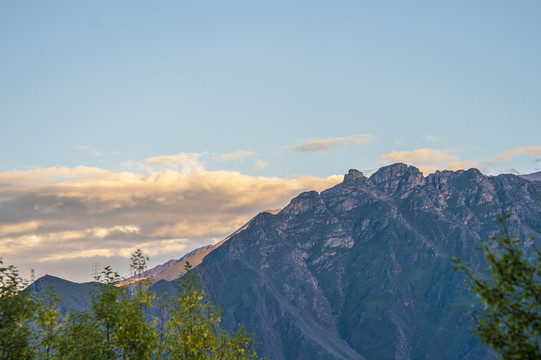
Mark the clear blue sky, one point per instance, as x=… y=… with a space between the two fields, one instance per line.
x=148 y=79
x=269 y=89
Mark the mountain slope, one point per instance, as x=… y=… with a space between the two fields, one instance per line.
x=536 y=176
x=75 y=296
x=364 y=269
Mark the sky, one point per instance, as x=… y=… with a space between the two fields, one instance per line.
x=167 y=125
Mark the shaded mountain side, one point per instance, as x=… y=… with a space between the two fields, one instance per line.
x=194 y=257
x=75 y=296
x=173 y=269
x=364 y=269
x=536 y=176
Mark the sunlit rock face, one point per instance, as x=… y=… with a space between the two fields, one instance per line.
x=363 y=270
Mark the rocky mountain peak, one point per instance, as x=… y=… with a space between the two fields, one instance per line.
x=353 y=175
x=397 y=177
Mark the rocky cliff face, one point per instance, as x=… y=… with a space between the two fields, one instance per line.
x=363 y=270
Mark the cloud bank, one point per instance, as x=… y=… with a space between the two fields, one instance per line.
x=65 y=215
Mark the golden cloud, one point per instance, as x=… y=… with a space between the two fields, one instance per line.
x=59 y=213
x=19 y=228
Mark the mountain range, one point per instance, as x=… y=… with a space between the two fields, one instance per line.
x=362 y=270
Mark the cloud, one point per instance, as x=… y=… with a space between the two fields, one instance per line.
x=187 y=163
x=19 y=228
x=239 y=154
x=260 y=165
x=63 y=217
x=325 y=144
x=508 y=155
x=428 y=160
x=434 y=139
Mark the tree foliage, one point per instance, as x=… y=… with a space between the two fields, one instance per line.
x=46 y=321
x=509 y=314
x=79 y=336
x=193 y=331
x=117 y=324
x=16 y=310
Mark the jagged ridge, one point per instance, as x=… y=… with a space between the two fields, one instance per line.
x=364 y=269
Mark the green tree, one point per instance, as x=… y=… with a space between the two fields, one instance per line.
x=106 y=309
x=138 y=264
x=80 y=338
x=135 y=337
x=509 y=314
x=193 y=331
x=47 y=320
x=119 y=308
x=16 y=309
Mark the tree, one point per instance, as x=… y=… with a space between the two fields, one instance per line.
x=135 y=336
x=116 y=326
x=16 y=310
x=509 y=314
x=47 y=322
x=193 y=331
x=106 y=308
x=121 y=314
x=80 y=337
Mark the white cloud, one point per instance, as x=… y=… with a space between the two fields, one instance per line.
x=239 y=154
x=315 y=145
x=433 y=138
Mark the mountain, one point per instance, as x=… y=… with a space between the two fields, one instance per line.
x=536 y=176
x=75 y=296
x=173 y=269
x=363 y=270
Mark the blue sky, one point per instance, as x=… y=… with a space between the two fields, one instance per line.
x=268 y=91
